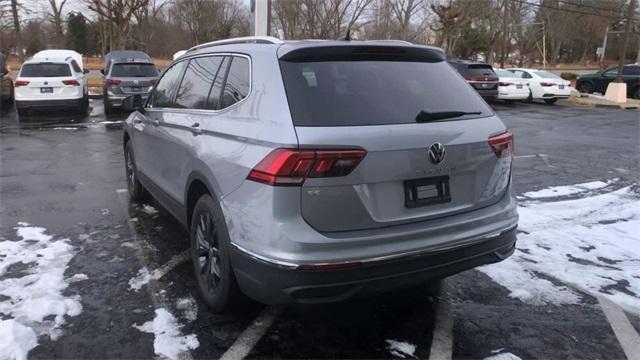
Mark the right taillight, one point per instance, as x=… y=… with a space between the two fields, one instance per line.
x=502 y=145
x=19 y=83
x=546 y=84
x=291 y=167
x=113 y=82
x=504 y=83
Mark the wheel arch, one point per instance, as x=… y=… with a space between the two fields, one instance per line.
x=197 y=185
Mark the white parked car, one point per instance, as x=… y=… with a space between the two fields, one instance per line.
x=46 y=83
x=544 y=85
x=511 y=87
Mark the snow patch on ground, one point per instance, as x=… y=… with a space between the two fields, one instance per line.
x=34 y=292
x=591 y=243
x=401 y=348
x=148 y=209
x=503 y=356
x=566 y=190
x=188 y=307
x=169 y=341
x=140 y=280
x=16 y=340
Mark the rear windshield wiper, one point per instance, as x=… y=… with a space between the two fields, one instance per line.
x=426 y=116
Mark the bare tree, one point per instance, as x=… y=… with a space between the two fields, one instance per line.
x=118 y=15
x=57 y=20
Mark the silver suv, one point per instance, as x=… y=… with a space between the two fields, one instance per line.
x=126 y=72
x=315 y=171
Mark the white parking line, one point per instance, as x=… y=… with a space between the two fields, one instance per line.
x=442 y=342
x=158 y=273
x=627 y=336
x=251 y=335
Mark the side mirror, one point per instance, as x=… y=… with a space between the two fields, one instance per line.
x=132 y=103
x=85 y=71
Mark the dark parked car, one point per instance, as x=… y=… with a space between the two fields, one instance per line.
x=598 y=82
x=479 y=75
x=127 y=73
x=6 y=85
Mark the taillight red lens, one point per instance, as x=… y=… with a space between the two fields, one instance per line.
x=546 y=84
x=504 y=83
x=19 y=83
x=502 y=145
x=113 y=82
x=291 y=167
x=153 y=81
x=71 y=82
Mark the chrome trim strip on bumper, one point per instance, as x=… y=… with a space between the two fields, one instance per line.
x=290 y=265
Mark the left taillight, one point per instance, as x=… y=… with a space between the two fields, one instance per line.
x=502 y=83
x=19 y=83
x=502 y=145
x=71 y=82
x=546 y=84
x=291 y=167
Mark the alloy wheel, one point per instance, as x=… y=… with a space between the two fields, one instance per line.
x=208 y=251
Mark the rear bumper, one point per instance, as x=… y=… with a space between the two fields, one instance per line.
x=116 y=100
x=488 y=94
x=273 y=283
x=49 y=104
x=513 y=95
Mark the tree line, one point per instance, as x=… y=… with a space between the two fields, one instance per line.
x=568 y=31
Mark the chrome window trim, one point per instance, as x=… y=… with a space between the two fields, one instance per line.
x=207 y=111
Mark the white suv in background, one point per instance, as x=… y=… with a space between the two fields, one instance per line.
x=46 y=83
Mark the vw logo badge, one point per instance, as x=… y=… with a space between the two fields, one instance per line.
x=436 y=153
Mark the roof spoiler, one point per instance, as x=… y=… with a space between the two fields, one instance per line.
x=381 y=52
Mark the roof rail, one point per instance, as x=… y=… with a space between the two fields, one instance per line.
x=240 y=40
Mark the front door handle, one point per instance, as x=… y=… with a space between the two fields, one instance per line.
x=195 y=128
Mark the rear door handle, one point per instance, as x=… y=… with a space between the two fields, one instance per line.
x=195 y=128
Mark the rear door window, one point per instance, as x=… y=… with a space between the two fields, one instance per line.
x=238 y=82
x=75 y=66
x=133 y=70
x=45 y=70
x=197 y=82
x=162 y=95
x=479 y=70
x=353 y=93
x=631 y=70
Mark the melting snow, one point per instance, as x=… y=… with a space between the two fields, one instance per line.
x=169 y=341
x=401 y=349
x=140 y=280
x=503 y=356
x=591 y=243
x=189 y=307
x=148 y=209
x=566 y=190
x=34 y=293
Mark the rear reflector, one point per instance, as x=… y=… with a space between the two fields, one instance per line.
x=291 y=167
x=502 y=145
x=336 y=266
x=71 y=82
x=113 y=82
x=19 y=83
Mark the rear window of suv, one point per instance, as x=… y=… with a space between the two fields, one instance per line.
x=134 y=70
x=478 y=70
x=354 y=93
x=45 y=70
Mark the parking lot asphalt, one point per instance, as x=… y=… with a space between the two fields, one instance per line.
x=125 y=288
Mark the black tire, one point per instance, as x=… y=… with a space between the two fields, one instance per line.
x=585 y=87
x=530 y=98
x=11 y=98
x=550 y=101
x=22 y=112
x=136 y=191
x=636 y=93
x=108 y=110
x=210 y=247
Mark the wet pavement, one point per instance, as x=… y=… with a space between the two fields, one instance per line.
x=66 y=175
